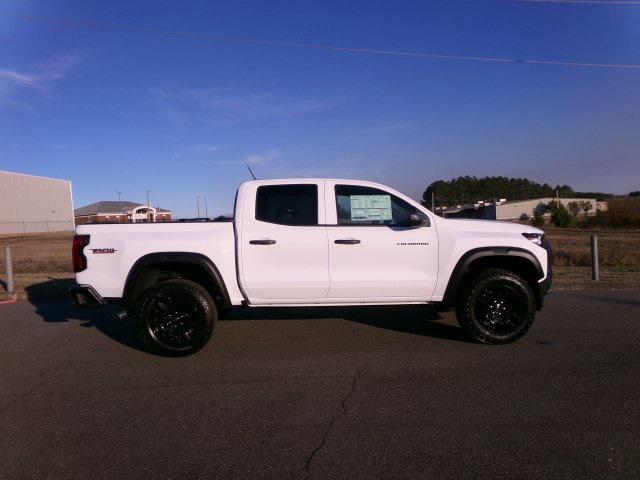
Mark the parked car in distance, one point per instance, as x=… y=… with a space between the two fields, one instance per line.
x=194 y=220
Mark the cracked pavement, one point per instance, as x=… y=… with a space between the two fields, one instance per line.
x=386 y=392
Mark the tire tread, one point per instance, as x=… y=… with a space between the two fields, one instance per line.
x=464 y=305
x=200 y=295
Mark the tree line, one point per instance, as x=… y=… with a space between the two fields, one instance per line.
x=470 y=189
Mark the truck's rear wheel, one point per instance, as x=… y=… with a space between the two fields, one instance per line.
x=496 y=306
x=176 y=317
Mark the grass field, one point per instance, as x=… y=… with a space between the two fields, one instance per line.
x=39 y=252
x=44 y=260
x=617 y=249
x=619 y=255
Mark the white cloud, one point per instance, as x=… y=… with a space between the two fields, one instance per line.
x=264 y=157
x=394 y=127
x=203 y=148
x=21 y=89
x=200 y=149
x=260 y=158
x=223 y=107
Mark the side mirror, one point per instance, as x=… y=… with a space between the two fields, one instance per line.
x=417 y=220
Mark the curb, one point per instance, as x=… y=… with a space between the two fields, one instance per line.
x=13 y=298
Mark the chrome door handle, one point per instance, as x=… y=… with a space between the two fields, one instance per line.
x=262 y=241
x=347 y=241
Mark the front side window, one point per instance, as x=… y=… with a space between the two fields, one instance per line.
x=357 y=205
x=287 y=204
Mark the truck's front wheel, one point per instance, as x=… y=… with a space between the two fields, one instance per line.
x=496 y=306
x=176 y=317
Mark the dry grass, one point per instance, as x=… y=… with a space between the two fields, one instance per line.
x=617 y=249
x=39 y=252
x=579 y=278
x=621 y=213
x=619 y=256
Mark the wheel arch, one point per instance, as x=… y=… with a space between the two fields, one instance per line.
x=152 y=268
x=517 y=260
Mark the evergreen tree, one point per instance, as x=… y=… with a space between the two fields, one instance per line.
x=469 y=189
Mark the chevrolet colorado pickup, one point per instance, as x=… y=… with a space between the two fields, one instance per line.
x=312 y=242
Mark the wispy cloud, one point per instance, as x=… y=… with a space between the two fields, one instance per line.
x=260 y=158
x=69 y=146
x=264 y=157
x=340 y=167
x=220 y=106
x=392 y=127
x=22 y=89
x=200 y=149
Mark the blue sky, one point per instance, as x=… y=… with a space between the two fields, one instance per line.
x=133 y=111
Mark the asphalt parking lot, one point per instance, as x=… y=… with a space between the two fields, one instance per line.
x=332 y=393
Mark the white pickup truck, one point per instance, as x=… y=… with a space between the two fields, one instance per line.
x=313 y=242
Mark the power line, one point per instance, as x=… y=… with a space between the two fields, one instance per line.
x=591 y=2
x=311 y=46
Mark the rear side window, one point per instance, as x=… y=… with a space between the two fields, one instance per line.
x=287 y=204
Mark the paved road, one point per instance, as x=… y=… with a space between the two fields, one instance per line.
x=351 y=393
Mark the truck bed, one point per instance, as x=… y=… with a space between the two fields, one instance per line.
x=114 y=249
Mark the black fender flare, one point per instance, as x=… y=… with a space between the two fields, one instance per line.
x=190 y=258
x=464 y=264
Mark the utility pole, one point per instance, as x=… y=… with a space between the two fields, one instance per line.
x=148 y=206
x=433 y=203
x=119 y=193
x=206 y=207
x=198 y=203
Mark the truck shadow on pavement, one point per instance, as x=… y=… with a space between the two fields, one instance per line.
x=412 y=319
x=51 y=306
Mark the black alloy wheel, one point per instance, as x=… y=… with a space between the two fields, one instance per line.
x=496 y=306
x=176 y=317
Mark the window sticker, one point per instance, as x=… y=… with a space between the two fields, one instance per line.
x=369 y=208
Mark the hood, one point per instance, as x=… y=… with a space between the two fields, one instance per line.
x=487 y=225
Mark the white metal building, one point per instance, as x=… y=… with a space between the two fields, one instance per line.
x=30 y=204
x=516 y=209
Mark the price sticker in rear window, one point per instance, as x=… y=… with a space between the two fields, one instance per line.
x=370 y=208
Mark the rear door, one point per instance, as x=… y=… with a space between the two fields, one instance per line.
x=283 y=253
x=373 y=254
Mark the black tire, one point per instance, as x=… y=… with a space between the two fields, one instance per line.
x=176 y=318
x=496 y=306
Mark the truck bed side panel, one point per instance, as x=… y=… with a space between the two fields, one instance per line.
x=107 y=271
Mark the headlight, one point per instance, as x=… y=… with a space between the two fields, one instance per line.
x=534 y=237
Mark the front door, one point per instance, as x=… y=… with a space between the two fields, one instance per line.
x=284 y=257
x=373 y=253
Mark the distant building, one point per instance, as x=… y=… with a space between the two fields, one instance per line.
x=30 y=204
x=514 y=210
x=120 y=212
x=602 y=206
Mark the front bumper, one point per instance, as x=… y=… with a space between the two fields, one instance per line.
x=545 y=286
x=84 y=296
